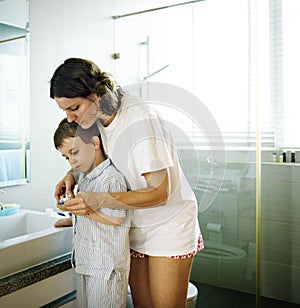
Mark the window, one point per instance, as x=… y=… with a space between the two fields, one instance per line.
x=290 y=61
x=14 y=106
x=239 y=57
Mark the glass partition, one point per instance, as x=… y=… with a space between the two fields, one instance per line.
x=228 y=56
x=199 y=49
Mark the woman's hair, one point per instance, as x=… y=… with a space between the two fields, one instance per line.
x=80 y=78
x=67 y=130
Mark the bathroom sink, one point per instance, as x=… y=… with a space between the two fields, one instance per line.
x=29 y=238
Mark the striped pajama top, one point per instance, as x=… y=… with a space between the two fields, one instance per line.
x=100 y=249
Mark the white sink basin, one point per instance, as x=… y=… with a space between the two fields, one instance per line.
x=29 y=238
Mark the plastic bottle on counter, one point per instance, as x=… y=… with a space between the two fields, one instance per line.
x=293 y=156
x=284 y=156
x=281 y=157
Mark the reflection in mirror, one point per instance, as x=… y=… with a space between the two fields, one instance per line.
x=14 y=106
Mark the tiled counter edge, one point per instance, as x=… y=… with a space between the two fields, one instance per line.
x=34 y=274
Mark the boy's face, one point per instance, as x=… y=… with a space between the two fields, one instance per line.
x=81 y=156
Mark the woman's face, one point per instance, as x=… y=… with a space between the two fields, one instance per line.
x=82 y=110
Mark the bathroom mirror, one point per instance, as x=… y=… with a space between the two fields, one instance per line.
x=14 y=105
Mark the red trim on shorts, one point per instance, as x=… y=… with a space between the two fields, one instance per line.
x=200 y=246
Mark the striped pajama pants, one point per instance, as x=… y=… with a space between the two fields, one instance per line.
x=96 y=292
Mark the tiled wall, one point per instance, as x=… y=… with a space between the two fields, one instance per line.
x=280 y=228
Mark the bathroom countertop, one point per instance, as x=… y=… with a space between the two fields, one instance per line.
x=34 y=274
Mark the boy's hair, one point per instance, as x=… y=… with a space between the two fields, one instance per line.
x=67 y=129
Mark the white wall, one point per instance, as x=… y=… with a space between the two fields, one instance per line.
x=60 y=29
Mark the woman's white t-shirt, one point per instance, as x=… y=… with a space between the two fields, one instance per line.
x=137 y=141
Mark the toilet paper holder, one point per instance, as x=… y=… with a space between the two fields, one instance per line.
x=214 y=227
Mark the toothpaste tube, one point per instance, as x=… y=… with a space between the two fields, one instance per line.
x=64 y=198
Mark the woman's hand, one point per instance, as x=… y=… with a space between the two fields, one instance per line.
x=65 y=186
x=78 y=206
x=86 y=203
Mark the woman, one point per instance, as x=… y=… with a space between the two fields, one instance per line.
x=165 y=233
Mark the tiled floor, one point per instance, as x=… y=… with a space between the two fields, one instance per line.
x=216 y=297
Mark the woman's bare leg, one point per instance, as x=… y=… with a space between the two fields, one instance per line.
x=139 y=282
x=159 y=282
x=169 y=281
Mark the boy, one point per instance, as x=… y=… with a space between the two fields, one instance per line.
x=101 y=239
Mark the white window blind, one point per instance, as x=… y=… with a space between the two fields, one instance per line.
x=290 y=73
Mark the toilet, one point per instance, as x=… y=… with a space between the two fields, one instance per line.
x=192 y=295
x=191 y=299
x=219 y=264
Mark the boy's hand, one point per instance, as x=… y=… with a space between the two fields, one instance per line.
x=65 y=187
x=66 y=222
